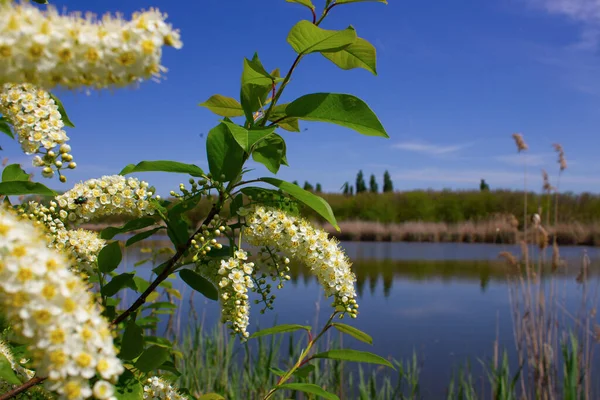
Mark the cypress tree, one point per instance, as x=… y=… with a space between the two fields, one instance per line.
x=388 y=186
x=373 y=187
x=361 y=186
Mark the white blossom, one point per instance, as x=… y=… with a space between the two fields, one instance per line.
x=298 y=239
x=157 y=389
x=83 y=245
x=109 y=195
x=38 y=125
x=48 y=49
x=51 y=308
x=233 y=276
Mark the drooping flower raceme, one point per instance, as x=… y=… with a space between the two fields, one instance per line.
x=109 y=195
x=52 y=309
x=83 y=245
x=298 y=239
x=157 y=389
x=38 y=125
x=48 y=49
x=233 y=276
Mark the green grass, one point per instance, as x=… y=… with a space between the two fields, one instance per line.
x=213 y=364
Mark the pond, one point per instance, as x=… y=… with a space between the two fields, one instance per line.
x=448 y=302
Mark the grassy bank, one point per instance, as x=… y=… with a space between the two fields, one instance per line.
x=446 y=216
x=449 y=207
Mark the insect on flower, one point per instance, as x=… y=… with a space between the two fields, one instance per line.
x=80 y=200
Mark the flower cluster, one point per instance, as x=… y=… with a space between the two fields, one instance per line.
x=109 y=195
x=48 y=49
x=38 y=125
x=234 y=278
x=297 y=238
x=158 y=389
x=52 y=309
x=83 y=245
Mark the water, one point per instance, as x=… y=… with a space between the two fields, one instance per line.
x=449 y=302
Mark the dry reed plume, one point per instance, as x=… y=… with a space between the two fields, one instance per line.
x=540 y=316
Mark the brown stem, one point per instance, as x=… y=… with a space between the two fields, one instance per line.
x=280 y=91
x=166 y=272
x=20 y=389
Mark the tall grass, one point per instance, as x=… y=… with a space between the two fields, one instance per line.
x=213 y=364
x=544 y=328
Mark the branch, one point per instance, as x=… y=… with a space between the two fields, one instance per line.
x=20 y=389
x=166 y=272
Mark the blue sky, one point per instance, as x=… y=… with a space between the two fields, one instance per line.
x=456 y=79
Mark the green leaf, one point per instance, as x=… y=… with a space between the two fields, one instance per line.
x=161 y=304
x=117 y=283
x=310 y=388
x=360 y=54
x=169 y=366
x=277 y=371
x=211 y=396
x=248 y=138
x=311 y=200
x=109 y=257
x=306 y=3
x=280 y=329
x=159 y=341
x=175 y=293
x=141 y=284
x=158 y=270
x=152 y=358
x=289 y=124
x=236 y=204
x=360 y=1
x=142 y=235
x=163 y=166
x=341 y=109
x=304 y=371
x=61 y=109
x=5 y=128
x=113 y=302
x=183 y=206
x=352 y=331
x=14 y=172
x=133 y=341
x=178 y=231
x=223 y=106
x=6 y=372
x=141 y=262
x=128 y=387
x=133 y=225
x=147 y=320
x=257 y=83
x=41 y=1
x=223 y=252
x=225 y=156
x=305 y=37
x=271 y=152
x=199 y=283
x=17 y=188
x=280 y=118
x=354 y=355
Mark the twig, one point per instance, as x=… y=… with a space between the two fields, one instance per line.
x=20 y=389
x=168 y=270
